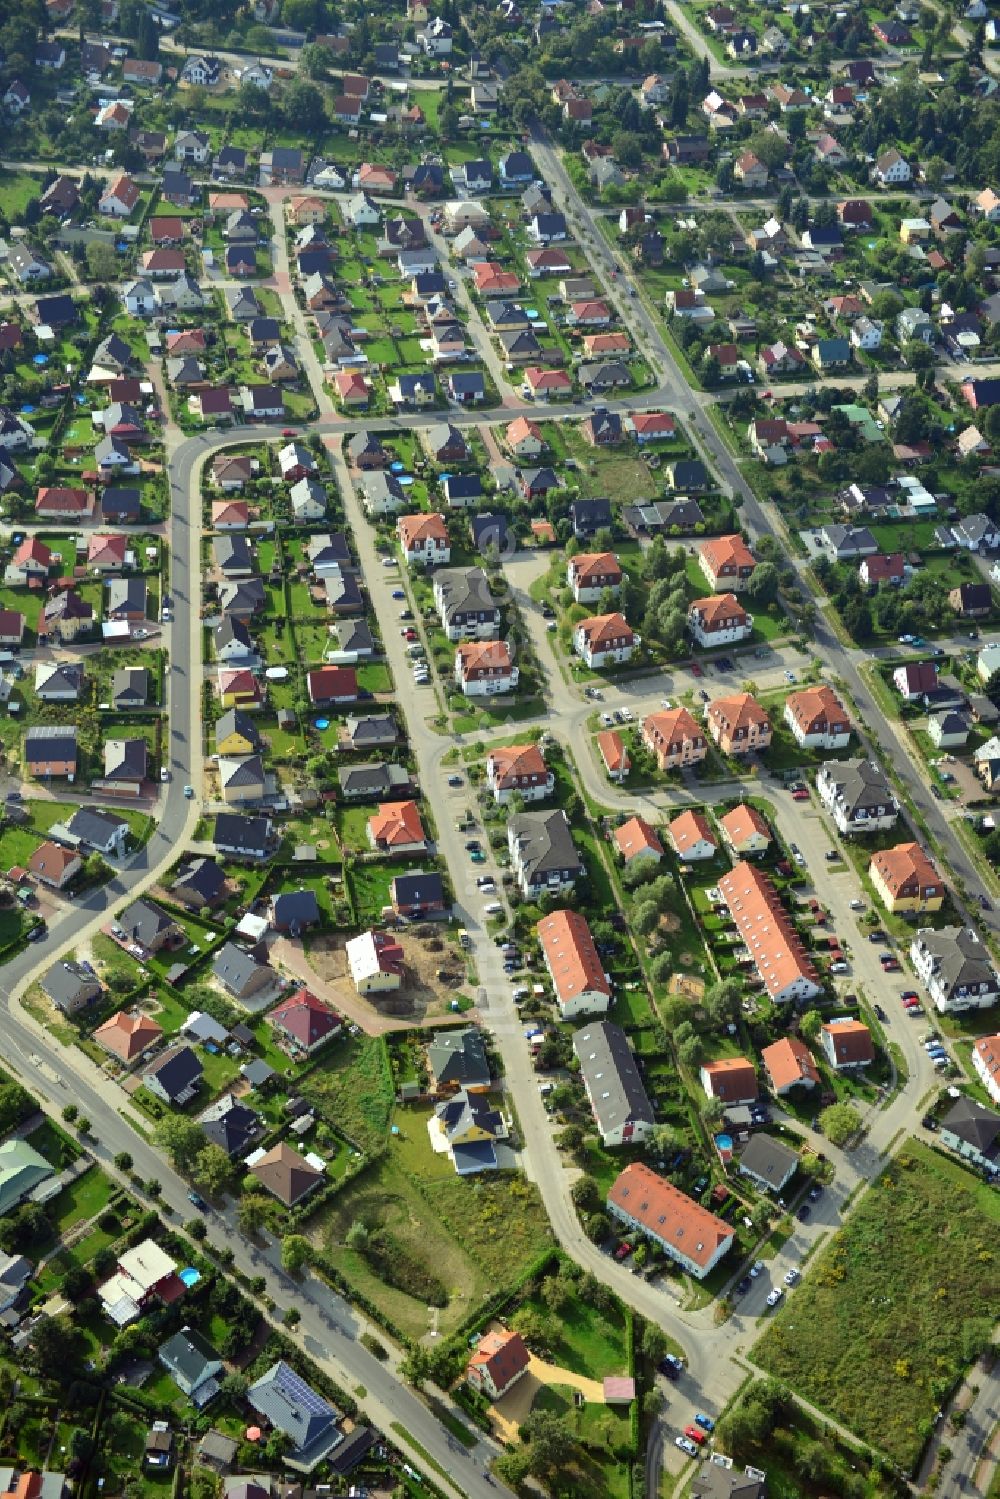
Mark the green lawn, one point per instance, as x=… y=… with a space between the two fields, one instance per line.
x=82 y=1199
x=472 y=1238
x=583 y=1339
x=888 y=1319
x=353 y=1090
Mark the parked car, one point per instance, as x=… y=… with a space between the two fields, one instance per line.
x=775 y=1296
x=792 y=1277
x=705 y=1422
x=857 y=905
x=695 y=1434
x=671 y=1366
x=686 y=1445
x=756 y=1269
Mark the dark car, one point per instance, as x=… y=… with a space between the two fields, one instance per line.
x=198 y=1202
x=803 y=1213
x=37 y=932
x=815 y=1193
x=671 y=1366
x=742 y=1286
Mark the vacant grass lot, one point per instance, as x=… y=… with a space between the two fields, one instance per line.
x=583 y=1339
x=475 y=1237
x=353 y=1090
x=884 y=1325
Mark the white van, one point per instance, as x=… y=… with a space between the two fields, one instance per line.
x=493 y=909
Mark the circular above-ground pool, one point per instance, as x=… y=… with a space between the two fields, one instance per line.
x=321 y=723
x=189 y=1277
x=405 y=480
x=724 y=1142
x=40 y=359
x=396 y=467
x=27 y=409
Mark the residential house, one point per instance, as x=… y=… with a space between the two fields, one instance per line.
x=782 y=962
x=485 y=668
x=745 y=830
x=789 y=1064
x=688 y=1234
x=727 y=563
x=674 y=739
x=375 y=962
x=817 y=718
x=692 y=837
x=613 y=1083
x=604 y=640
x=738 y=724
x=847 y=1044
x=174 y=1077
x=719 y=620
x=543 y=855
x=304 y=1023
x=574 y=965
x=857 y=795
x=518 y=769
x=955 y=968
x=731 y=1079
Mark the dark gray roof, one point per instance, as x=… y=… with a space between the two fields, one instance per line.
x=125 y=758
x=858 y=783
x=960 y=961
x=768 y=1160
x=459 y=1057
x=464 y=1111
x=233 y=721
x=232 y=552
x=371 y=729
x=64 y=982
x=288 y=1403
x=202 y=878
x=249 y=835
x=51 y=741
x=93 y=825
x=611 y=1076
x=230 y=1123
x=546 y=842
x=974 y=1123
x=234 y=968
x=463 y=591
x=421 y=887
x=296 y=908
x=176 y=1070
x=131 y=683
x=373 y=779
x=144 y=921
x=128 y=594
x=713 y=1482
x=190 y=1357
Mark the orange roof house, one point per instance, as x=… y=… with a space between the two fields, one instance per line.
x=733 y=1079
x=847 y=1043
x=498 y=1361
x=775 y=947
x=128 y=1034
x=727 y=562
x=905 y=879
x=789 y=1064
x=818 y=718
x=692 y=836
x=692 y=1236
x=745 y=830
x=574 y=965
x=614 y=754
x=986 y=1060
x=396 y=827
x=674 y=738
x=524 y=437
x=738 y=724
x=635 y=839
x=520 y=769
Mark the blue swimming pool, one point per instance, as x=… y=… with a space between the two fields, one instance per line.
x=321 y=723
x=40 y=359
x=405 y=480
x=396 y=467
x=190 y=1276
x=27 y=409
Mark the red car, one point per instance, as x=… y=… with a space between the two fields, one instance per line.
x=802 y=795
x=909 y=994
x=623 y=1251
x=910 y=1004
x=288 y=432
x=696 y=670
x=891 y=965
x=694 y=1434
